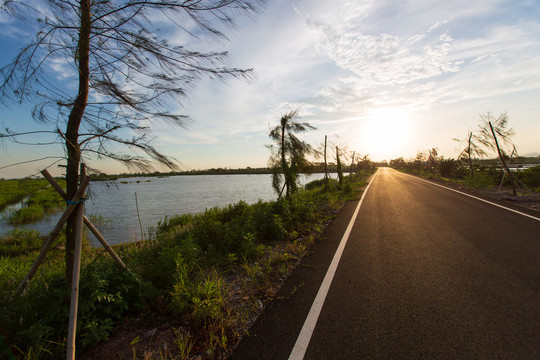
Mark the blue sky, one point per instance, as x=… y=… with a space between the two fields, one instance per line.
x=384 y=78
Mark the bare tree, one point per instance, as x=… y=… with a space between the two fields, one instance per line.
x=288 y=154
x=339 y=167
x=352 y=168
x=122 y=73
x=496 y=136
x=472 y=149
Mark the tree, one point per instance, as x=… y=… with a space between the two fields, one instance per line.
x=398 y=163
x=339 y=167
x=352 y=168
x=125 y=70
x=288 y=154
x=472 y=149
x=495 y=136
x=365 y=163
x=433 y=159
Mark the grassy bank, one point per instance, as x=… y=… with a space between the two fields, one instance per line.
x=13 y=191
x=41 y=199
x=193 y=288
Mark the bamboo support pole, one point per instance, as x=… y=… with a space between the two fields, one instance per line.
x=87 y=222
x=39 y=260
x=74 y=304
x=104 y=242
x=139 y=216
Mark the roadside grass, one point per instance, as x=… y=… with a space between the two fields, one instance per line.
x=205 y=275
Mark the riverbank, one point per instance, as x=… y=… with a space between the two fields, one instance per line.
x=202 y=279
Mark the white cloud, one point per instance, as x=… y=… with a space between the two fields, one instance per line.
x=385 y=58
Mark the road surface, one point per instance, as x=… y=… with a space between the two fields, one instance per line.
x=426 y=273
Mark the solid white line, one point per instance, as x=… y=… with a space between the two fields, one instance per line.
x=477 y=198
x=302 y=342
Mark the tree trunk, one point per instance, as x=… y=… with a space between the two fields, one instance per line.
x=471 y=169
x=284 y=160
x=325 y=165
x=502 y=160
x=352 y=164
x=72 y=131
x=339 y=170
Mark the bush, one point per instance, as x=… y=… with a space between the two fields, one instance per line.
x=481 y=180
x=20 y=242
x=530 y=177
x=202 y=295
x=448 y=167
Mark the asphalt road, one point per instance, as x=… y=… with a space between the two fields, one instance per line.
x=426 y=273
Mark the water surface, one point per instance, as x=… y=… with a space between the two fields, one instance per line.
x=114 y=202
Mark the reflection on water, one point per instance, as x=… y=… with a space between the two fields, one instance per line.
x=159 y=197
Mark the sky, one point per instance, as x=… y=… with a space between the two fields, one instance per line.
x=385 y=78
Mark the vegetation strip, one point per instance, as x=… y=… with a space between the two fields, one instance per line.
x=202 y=280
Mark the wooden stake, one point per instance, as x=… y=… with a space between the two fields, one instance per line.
x=87 y=222
x=139 y=216
x=53 y=235
x=325 y=165
x=74 y=304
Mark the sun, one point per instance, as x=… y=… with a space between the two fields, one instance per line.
x=385 y=132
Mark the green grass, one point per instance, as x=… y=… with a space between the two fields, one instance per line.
x=13 y=191
x=207 y=273
x=41 y=202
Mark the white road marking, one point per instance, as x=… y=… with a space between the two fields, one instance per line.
x=477 y=198
x=302 y=342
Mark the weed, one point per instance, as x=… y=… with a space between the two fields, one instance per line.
x=183 y=341
x=203 y=295
x=481 y=180
x=134 y=344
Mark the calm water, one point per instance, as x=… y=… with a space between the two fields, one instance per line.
x=160 y=197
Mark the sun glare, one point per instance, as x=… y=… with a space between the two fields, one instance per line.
x=385 y=131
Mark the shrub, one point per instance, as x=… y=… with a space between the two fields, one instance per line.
x=481 y=180
x=201 y=294
x=530 y=177
x=20 y=241
x=448 y=167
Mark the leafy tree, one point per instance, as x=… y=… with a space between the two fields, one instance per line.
x=398 y=163
x=419 y=161
x=365 y=163
x=122 y=73
x=288 y=154
x=496 y=136
x=433 y=160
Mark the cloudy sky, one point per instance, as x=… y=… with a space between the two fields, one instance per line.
x=385 y=78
